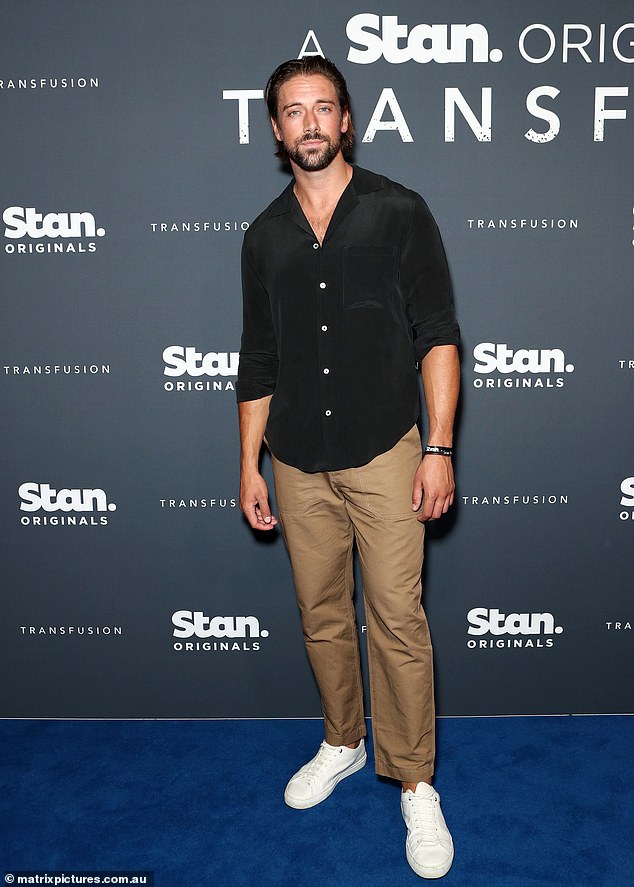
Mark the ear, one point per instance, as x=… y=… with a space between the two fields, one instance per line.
x=276 y=131
x=345 y=120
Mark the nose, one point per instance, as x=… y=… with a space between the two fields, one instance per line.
x=310 y=122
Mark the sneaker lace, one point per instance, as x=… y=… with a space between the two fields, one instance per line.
x=325 y=756
x=422 y=821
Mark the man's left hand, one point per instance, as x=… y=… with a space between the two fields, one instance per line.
x=433 y=487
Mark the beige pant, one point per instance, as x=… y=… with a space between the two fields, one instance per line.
x=322 y=515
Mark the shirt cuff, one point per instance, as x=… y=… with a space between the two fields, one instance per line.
x=442 y=334
x=248 y=389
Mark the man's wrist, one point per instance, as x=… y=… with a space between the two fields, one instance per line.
x=249 y=466
x=437 y=450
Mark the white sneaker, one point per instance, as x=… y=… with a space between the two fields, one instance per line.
x=318 y=778
x=428 y=847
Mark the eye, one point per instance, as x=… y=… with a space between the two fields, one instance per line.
x=324 y=108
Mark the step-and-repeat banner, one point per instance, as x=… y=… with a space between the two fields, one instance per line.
x=135 y=152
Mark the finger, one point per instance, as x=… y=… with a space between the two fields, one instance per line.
x=441 y=507
x=417 y=495
x=261 y=522
x=265 y=511
x=253 y=516
x=264 y=521
x=428 y=508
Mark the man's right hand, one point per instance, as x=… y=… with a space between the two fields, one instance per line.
x=254 y=502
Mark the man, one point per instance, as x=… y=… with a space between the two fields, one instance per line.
x=346 y=291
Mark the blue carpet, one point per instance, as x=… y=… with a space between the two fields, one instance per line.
x=530 y=801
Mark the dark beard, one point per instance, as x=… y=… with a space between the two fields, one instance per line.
x=316 y=159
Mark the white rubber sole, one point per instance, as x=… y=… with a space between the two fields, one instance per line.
x=429 y=872
x=301 y=804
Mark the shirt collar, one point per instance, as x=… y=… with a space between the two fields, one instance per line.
x=362 y=182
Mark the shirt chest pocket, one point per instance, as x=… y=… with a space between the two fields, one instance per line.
x=369 y=276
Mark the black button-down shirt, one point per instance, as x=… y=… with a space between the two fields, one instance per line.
x=334 y=331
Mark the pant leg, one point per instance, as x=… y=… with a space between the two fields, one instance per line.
x=319 y=538
x=390 y=544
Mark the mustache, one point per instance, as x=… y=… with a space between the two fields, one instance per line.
x=313 y=137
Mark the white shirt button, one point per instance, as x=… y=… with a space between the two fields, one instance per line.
x=324 y=328
x=329 y=412
x=326 y=371
x=315 y=246
x=322 y=286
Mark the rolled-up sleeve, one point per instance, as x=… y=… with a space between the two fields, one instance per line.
x=425 y=283
x=259 y=361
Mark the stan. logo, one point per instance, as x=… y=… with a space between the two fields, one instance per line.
x=525 y=629
x=385 y=37
x=25 y=222
x=194 y=623
x=187 y=361
x=627 y=498
x=180 y=361
x=188 y=623
x=71 y=502
x=492 y=358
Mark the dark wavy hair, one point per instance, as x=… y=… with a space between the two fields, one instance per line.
x=309 y=65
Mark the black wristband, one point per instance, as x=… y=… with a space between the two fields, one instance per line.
x=439 y=451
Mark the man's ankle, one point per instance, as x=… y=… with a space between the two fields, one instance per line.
x=412 y=785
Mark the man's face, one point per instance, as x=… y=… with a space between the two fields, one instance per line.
x=309 y=121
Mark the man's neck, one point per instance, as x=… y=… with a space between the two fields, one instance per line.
x=322 y=187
